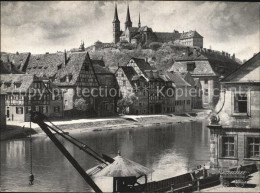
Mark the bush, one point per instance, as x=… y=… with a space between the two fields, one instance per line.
x=155 y=45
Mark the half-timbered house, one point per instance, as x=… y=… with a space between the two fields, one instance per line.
x=26 y=92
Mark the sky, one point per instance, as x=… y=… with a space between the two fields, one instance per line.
x=40 y=27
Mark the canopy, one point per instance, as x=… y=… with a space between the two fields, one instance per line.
x=123 y=167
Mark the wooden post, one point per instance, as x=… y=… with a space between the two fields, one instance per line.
x=198 y=184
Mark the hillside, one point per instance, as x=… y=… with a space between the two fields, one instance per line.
x=161 y=58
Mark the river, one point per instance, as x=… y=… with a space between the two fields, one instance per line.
x=169 y=150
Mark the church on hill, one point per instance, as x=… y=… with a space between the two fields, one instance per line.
x=145 y=35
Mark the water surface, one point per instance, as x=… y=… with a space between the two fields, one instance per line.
x=169 y=149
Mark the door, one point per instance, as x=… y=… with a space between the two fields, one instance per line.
x=7 y=113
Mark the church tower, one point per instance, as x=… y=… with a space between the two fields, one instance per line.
x=128 y=22
x=139 y=23
x=116 y=27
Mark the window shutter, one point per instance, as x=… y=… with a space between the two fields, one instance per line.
x=246 y=147
x=236 y=145
x=249 y=102
x=232 y=102
x=220 y=146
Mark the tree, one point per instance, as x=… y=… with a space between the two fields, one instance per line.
x=126 y=102
x=80 y=104
x=155 y=45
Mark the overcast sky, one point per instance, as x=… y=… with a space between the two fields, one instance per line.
x=40 y=27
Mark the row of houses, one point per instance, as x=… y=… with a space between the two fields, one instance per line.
x=87 y=87
x=60 y=84
x=157 y=91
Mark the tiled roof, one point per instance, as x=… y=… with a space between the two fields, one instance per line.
x=145 y=28
x=133 y=29
x=101 y=70
x=9 y=68
x=190 y=34
x=210 y=64
x=24 y=79
x=53 y=65
x=249 y=66
x=177 y=79
x=98 y=62
x=20 y=60
x=142 y=64
x=129 y=72
x=196 y=80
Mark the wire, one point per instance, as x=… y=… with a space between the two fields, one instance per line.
x=83 y=144
x=97 y=157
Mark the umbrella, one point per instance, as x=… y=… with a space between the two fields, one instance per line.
x=123 y=167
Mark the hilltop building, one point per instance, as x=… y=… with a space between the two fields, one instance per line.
x=145 y=35
x=209 y=66
x=234 y=130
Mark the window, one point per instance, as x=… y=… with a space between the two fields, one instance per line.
x=41 y=109
x=124 y=82
x=240 y=103
x=57 y=109
x=228 y=145
x=19 y=110
x=188 y=102
x=252 y=147
x=190 y=66
x=66 y=102
x=206 y=81
x=86 y=67
x=206 y=92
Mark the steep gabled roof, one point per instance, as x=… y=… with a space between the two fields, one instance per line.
x=177 y=79
x=142 y=64
x=190 y=34
x=9 y=68
x=53 y=65
x=129 y=72
x=247 y=72
x=210 y=64
x=24 y=79
x=19 y=60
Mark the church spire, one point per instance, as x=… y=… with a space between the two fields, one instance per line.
x=116 y=15
x=139 y=23
x=128 y=22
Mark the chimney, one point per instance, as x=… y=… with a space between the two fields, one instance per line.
x=146 y=59
x=155 y=74
x=188 y=51
x=148 y=73
x=233 y=57
x=65 y=57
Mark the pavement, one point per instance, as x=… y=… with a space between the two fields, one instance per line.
x=253 y=185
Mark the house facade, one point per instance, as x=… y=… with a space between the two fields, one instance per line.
x=191 y=38
x=155 y=90
x=74 y=74
x=2 y=112
x=108 y=89
x=27 y=92
x=235 y=130
x=209 y=66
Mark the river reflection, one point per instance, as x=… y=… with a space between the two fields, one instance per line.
x=170 y=150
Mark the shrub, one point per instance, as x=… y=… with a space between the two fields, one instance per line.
x=155 y=45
